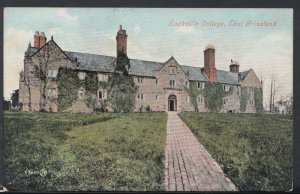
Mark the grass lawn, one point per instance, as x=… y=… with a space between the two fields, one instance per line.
x=84 y=152
x=254 y=150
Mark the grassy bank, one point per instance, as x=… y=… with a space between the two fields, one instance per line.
x=84 y=152
x=254 y=150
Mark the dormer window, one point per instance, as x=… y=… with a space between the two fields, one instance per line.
x=52 y=73
x=81 y=75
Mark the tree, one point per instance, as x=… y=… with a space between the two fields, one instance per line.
x=272 y=94
x=287 y=103
x=122 y=89
x=15 y=98
x=6 y=105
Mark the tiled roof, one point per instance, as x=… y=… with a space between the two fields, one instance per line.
x=227 y=77
x=93 y=62
x=243 y=74
x=194 y=73
x=144 y=68
x=31 y=50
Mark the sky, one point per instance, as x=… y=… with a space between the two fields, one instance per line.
x=156 y=34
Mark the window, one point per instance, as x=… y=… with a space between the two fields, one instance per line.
x=252 y=90
x=238 y=90
x=200 y=99
x=140 y=79
x=81 y=75
x=251 y=102
x=225 y=101
x=102 y=95
x=141 y=96
x=172 y=82
x=102 y=77
x=81 y=94
x=157 y=82
x=157 y=97
x=187 y=99
x=226 y=87
x=187 y=83
x=52 y=73
x=172 y=70
x=51 y=93
x=200 y=85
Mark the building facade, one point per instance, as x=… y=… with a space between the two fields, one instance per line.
x=161 y=85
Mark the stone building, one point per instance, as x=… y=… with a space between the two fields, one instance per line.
x=161 y=85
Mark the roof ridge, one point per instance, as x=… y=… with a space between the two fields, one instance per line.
x=89 y=54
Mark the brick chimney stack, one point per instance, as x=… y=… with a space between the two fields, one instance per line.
x=39 y=39
x=36 y=39
x=234 y=66
x=209 y=63
x=43 y=39
x=121 y=41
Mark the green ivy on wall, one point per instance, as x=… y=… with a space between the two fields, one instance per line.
x=213 y=94
x=244 y=99
x=258 y=98
x=69 y=83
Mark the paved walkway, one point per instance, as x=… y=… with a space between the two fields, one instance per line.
x=188 y=165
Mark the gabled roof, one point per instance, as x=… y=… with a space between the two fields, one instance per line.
x=102 y=63
x=31 y=50
x=144 y=68
x=92 y=62
x=227 y=77
x=243 y=74
x=194 y=73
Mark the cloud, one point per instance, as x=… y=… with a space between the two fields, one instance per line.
x=15 y=44
x=54 y=31
x=137 y=29
x=63 y=14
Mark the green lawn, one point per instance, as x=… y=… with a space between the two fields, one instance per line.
x=84 y=152
x=254 y=150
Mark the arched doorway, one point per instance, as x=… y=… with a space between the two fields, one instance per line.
x=172 y=102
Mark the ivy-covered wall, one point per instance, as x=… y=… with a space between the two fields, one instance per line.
x=213 y=94
x=258 y=99
x=69 y=83
x=244 y=99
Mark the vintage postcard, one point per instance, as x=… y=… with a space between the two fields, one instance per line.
x=148 y=99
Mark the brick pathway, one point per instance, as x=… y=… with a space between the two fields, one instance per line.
x=188 y=165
